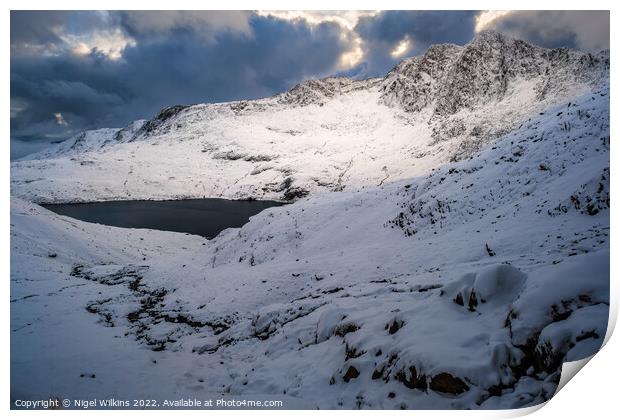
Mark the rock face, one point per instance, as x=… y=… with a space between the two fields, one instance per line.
x=413 y=84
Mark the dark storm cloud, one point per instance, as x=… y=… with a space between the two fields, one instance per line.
x=185 y=68
x=84 y=89
x=382 y=33
x=93 y=90
x=586 y=30
x=146 y=24
x=36 y=27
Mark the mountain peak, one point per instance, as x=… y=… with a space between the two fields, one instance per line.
x=449 y=78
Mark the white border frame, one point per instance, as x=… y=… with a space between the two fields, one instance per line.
x=593 y=394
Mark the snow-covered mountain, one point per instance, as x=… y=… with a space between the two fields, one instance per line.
x=452 y=250
x=323 y=135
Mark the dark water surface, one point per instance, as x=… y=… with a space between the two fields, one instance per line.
x=205 y=217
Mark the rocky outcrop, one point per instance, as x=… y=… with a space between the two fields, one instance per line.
x=317 y=92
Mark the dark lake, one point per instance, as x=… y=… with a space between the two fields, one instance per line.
x=205 y=217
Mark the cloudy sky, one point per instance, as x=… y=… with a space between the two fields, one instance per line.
x=72 y=71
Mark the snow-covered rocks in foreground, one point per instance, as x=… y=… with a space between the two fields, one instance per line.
x=323 y=135
x=465 y=287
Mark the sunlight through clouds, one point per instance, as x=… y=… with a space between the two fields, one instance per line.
x=110 y=42
x=403 y=46
x=487 y=17
x=346 y=19
x=60 y=120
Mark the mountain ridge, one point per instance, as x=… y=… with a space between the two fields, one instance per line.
x=317 y=91
x=322 y=135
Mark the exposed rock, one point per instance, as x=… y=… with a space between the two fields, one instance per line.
x=412 y=379
x=159 y=122
x=317 y=92
x=351 y=373
x=448 y=384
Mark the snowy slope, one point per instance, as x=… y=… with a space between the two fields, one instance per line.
x=322 y=136
x=464 y=286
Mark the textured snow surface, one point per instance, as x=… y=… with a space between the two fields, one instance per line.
x=448 y=284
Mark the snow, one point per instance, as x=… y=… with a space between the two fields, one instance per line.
x=346 y=298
